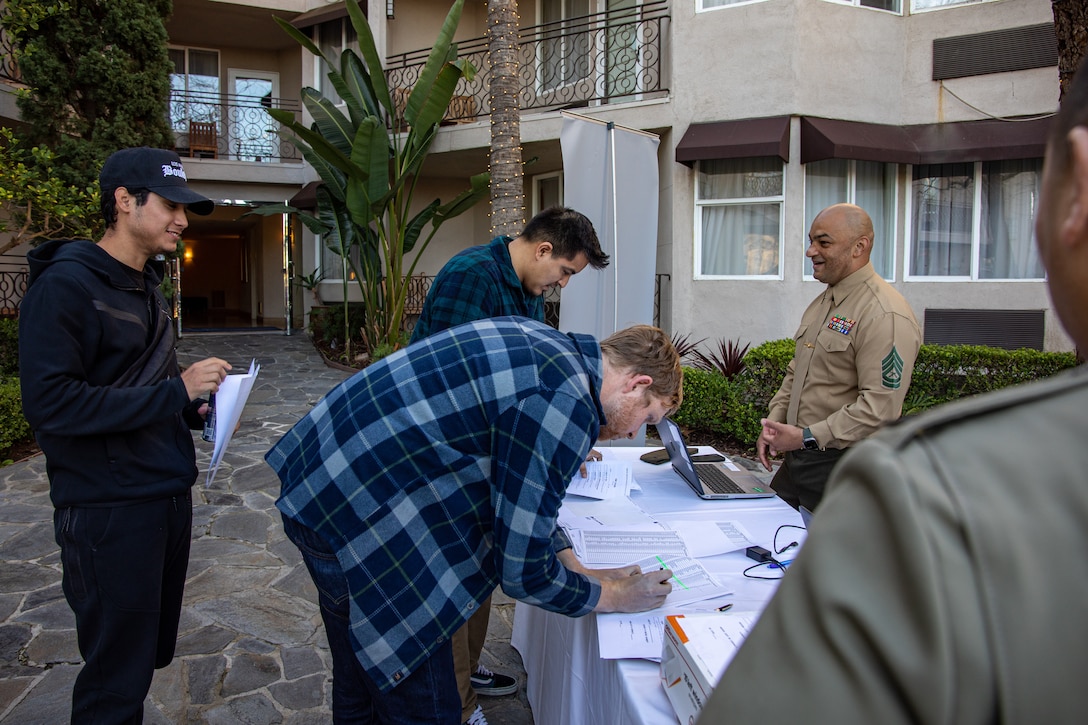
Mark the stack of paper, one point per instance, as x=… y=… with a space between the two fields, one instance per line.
x=230 y=399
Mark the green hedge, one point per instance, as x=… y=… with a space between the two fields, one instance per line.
x=941 y=374
x=13 y=426
x=946 y=372
x=9 y=346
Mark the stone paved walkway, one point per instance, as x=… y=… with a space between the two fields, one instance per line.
x=251 y=648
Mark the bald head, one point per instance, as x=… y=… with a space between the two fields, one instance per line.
x=840 y=242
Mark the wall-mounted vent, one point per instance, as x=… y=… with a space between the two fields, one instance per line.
x=1006 y=329
x=999 y=51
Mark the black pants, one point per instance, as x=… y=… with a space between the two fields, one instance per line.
x=124 y=576
x=802 y=477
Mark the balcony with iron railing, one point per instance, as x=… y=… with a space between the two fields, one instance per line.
x=9 y=72
x=234 y=127
x=14 y=274
x=604 y=58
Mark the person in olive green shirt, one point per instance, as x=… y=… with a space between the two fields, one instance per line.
x=855 y=349
x=944 y=578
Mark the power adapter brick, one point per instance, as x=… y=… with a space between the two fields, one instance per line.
x=758 y=553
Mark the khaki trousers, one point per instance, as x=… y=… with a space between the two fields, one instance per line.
x=468 y=643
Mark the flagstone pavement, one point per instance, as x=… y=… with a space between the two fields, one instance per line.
x=251 y=648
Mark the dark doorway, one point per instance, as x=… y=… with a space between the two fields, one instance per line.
x=215 y=286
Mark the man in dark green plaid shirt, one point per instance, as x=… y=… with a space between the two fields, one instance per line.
x=510 y=276
x=421 y=483
x=506 y=277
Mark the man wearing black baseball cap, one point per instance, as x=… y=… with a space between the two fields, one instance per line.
x=112 y=412
x=156 y=170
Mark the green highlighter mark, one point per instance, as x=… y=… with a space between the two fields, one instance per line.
x=666 y=566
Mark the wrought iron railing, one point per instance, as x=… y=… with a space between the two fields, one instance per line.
x=9 y=71
x=13 y=277
x=224 y=126
x=611 y=57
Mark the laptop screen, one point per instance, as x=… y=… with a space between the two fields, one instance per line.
x=673 y=441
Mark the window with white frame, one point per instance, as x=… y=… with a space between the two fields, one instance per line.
x=738 y=217
x=333 y=264
x=893 y=6
x=868 y=184
x=923 y=5
x=194 y=87
x=974 y=220
x=333 y=37
x=547 y=191
x=715 y=4
x=565 y=56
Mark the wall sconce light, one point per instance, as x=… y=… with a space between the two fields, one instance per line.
x=188 y=254
x=389 y=9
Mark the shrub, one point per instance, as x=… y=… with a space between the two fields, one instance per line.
x=704 y=392
x=9 y=346
x=766 y=365
x=725 y=357
x=942 y=373
x=685 y=348
x=327 y=325
x=13 y=426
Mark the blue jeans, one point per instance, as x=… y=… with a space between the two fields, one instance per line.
x=426 y=697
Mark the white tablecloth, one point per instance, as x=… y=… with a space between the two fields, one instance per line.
x=568 y=683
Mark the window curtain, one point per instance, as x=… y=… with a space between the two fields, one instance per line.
x=942 y=203
x=868 y=184
x=826 y=183
x=875 y=193
x=916 y=5
x=1010 y=194
x=737 y=237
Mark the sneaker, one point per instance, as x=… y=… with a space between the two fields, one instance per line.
x=492 y=684
x=477 y=717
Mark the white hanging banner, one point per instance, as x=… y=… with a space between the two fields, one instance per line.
x=610 y=174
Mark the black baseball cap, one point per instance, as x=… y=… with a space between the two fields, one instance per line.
x=157 y=170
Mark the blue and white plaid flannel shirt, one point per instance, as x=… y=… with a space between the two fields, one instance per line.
x=436 y=474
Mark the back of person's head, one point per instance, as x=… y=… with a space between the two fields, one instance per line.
x=569 y=233
x=1073 y=112
x=649 y=351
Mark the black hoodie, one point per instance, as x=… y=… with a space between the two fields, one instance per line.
x=85 y=320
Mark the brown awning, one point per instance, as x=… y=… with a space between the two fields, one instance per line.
x=824 y=138
x=942 y=143
x=735 y=140
x=323 y=14
x=306 y=197
x=930 y=143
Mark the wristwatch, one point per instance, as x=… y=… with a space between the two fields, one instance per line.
x=808 y=441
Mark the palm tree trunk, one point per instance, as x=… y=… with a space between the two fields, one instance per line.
x=1071 y=31
x=507 y=189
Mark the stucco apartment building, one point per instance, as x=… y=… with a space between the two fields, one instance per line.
x=931 y=114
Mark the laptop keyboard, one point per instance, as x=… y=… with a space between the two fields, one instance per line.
x=715 y=479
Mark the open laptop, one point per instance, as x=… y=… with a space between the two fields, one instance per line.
x=708 y=480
